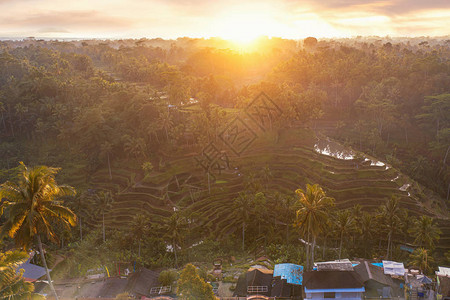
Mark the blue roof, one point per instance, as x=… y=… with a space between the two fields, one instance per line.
x=31 y=271
x=291 y=272
x=378 y=264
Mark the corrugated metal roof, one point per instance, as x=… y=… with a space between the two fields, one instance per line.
x=393 y=268
x=31 y=272
x=443 y=271
x=291 y=272
x=341 y=265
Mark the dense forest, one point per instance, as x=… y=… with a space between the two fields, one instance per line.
x=387 y=98
x=91 y=105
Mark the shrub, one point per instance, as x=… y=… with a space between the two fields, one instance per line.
x=167 y=277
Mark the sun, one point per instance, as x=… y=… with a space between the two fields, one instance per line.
x=243 y=27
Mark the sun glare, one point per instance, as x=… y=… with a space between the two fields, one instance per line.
x=244 y=27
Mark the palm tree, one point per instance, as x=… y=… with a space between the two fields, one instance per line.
x=425 y=232
x=166 y=121
x=390 y=215
x=12 y=285
x=345 y=224
x=2 y=110
x=242 y=206
x=31 y=208
x=266 y=175
x=139 y=227
x=174 y=229
x=421 y=259
x=103 y=200
x=261 y=214
x=312 y=216
x=81 y=205
x=106 y=149
x=284 y=210
x=135 y=146
x=367 y=228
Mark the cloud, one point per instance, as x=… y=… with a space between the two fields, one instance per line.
x=77 y=19
x=174 y=18
x=387 y=7
x=53 y=30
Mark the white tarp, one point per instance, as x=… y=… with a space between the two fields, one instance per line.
x=393 y=268
x=443 y=271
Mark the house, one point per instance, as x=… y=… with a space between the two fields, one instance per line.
x=31 y=272
x=344 y=285
x=287 y=281
x=144 y=283
x=443 y=278
x=107 y=288
x=281 y=289
x=444 y=287
x=111 y=287
x=254 y=282
x=376 y=283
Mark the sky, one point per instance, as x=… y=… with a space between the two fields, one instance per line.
x=230 y=19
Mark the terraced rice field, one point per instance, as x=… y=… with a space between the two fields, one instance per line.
x=293 y=160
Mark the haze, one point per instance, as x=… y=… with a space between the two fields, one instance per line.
x=238 y=20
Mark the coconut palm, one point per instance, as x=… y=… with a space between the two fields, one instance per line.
x=166 y=121
x=106 y=150
x=344 y=224
x=12 y=285
x=103 y=200
x=312 y=216
x=174 y=231
x=261 y=214
x=2 y=110
x=139 y=227
x=242 y=206
x=367 y=228
x=266 y=175
x=390 y=215
x=425 y=232
x=421 y=259
x=31 y=208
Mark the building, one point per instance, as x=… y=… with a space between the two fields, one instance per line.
x=31 y=272
x=145 y=283
x=287 y=281
x=443 y=278
x=344 y=285
x=284 y=282
x=376 y=283
x=254 y=282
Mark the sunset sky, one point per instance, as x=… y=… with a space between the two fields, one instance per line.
x=232 y=19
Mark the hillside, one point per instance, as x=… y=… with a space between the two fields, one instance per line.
x=294 y=156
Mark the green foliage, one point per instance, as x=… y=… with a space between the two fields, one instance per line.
x=192 y=287
x=423 y=260
x=280 y=253
x=425 y=232
x=123 y=296
x=167 y=277
x=31 y=205
x=93 y=253
x=12 y=285
x=58 y=108
x=147 y=167
x=312 y=216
